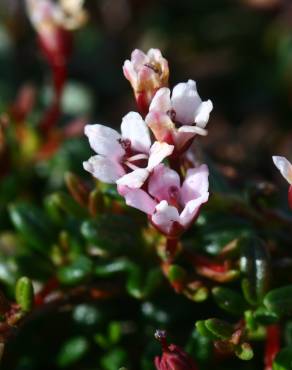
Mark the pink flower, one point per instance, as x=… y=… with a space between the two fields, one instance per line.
x=178 y=117
x=285 y=167
x=171 y=207
x=126 y=158
x=173 y=356
x=146 y=73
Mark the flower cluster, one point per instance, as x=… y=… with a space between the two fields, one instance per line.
x=153 y=176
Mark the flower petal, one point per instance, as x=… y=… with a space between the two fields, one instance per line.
x=284 y=166
x=185 y=102
x=162 y=183
x=135 y=129
x=130 y=73
x=138 y=198
x=193 y=129
x=191 y=210
x=138 y=58
x=134 y=179
x=104 y=140
x=186 y=133
x=195 y=185
x=203 y=113
x=158 y=152
x=104 y=169
x=154 y=54
x=165 y=216
x=161 y=125
x=161 y=101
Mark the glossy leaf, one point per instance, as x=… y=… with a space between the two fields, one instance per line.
x=77 y=272
x=33 y=226
x=279 y=301
x=283 y=360
x=254 y=264
x=229 y=300
x=219 y=328
x=72 y=351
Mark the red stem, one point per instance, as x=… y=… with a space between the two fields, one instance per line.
x=272 y=345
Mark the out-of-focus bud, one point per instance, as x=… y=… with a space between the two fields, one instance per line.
x=73 y=15
x=46 y=17
x=146 y=73
x=173 y=357
x=52 y=22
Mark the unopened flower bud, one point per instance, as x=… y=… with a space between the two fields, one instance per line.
x=146 y=73
x=173 y=357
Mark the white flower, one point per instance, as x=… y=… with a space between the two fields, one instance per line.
x=126 y=158
x=284 y=166
x=179 y=116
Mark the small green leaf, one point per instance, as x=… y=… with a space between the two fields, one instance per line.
x=176 y=273
x=229 y=300
x=219 y=328
x=283 y=360
x=114 y=332
x=203 y=330
x=114 y=359
x=72 y=351
x=250 y=320
x=33 y=226
x=24 y=294
x=244 y=352
x=77 y=272
x=265 y=317
x=279 y=301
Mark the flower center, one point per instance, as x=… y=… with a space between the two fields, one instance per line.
x=126 y=145
x=171 y=114
x=173 y=196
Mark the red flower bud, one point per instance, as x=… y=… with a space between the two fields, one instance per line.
x=173 y=357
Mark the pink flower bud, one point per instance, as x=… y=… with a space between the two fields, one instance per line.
x=173 y=357
x=146 y=73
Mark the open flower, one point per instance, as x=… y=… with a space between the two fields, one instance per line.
x=176 y=118
x=285 y=167
x=146 y=73
x=171 y=207
x=126 y=158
